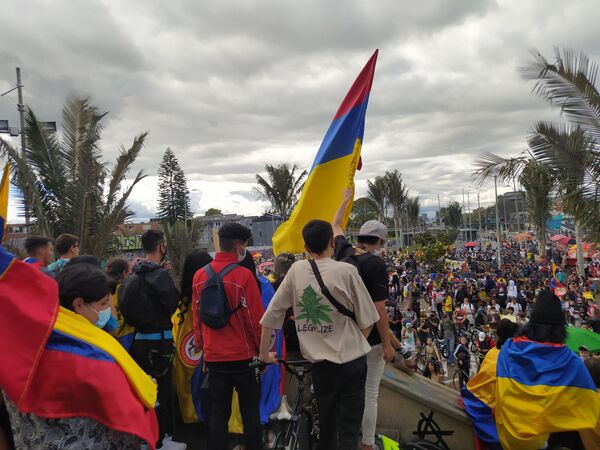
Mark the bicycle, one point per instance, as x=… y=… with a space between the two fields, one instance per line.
x=296 y=421
x=456 y=378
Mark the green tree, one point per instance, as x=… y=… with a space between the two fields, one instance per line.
x=210 y=212
x=173 y=193
x=282 y=189
x=452 y=214
x=363 y=210
x=413 y=210
x=68 y=185
x=396 y=195
x=377 y=193
x=571 y=149
x=538 y=180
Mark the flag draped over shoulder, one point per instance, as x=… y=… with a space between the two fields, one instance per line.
x=56 y=364
x=479 y=399
x=334 y=166
x=3 y=200
x=185 y=362
x=541 y=388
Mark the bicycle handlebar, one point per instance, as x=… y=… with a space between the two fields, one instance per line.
x=288 y=364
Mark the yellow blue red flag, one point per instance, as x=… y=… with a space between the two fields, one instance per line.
x=3 y=201
x=479 y=400
x=542 y=388
x=334 y=166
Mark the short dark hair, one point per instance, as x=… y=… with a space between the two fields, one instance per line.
x=369 y=240
x=505 y=329
x=64 y=242
x=81 y=280
x=232 y=233
x=317 y=234
x=33 y=243
x=114 y=270
x=593 y=367
x=151 y=239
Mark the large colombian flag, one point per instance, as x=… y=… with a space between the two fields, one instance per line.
x=542 y=388
x=334 y=166
x=56 y=364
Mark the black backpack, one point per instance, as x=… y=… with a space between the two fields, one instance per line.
x=357 y=260
x=213 y=303
x=134 y=305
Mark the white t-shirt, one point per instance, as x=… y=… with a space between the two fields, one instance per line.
x=324 y=333
x=469 y=311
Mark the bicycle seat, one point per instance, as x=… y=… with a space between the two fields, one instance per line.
x=284 y=410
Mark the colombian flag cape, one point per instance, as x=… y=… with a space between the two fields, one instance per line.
x=56 y=364
x=479 y=400
x=185 y=362
x=334 y=167
x=527 y=391
x=542 y=388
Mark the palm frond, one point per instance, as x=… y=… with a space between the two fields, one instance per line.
x=490 y=165
x=568 y=83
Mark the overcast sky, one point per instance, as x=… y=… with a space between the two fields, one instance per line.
x=230 y=86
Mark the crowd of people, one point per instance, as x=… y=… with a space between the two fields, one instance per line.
x=346 y=308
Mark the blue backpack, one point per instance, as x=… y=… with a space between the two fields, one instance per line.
x=214 y=305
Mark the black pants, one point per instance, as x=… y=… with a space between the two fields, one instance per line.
x=224 y=376
x=340 y=394
x=155 y=358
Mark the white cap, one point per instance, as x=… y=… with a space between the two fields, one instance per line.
x=373 y=228
x=481 y=336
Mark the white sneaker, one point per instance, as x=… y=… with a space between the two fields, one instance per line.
x=169 y=444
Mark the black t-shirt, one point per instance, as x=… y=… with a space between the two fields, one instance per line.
x=373 y=273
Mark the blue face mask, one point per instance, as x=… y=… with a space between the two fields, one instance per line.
x=103 y=316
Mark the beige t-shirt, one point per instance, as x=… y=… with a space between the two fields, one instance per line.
x=324 y=333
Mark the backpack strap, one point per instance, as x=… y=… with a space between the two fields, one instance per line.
x=210 y=272
x=325 y=291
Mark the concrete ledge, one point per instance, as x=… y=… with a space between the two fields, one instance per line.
x=416 y=407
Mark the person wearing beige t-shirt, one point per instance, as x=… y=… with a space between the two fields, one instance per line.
x=335 y=343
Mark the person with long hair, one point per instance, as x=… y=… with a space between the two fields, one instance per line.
x=186 y=358
x=117 y=270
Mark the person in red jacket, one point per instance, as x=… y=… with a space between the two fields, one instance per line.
x=228 y=351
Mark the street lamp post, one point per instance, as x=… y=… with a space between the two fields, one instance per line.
x=497 y=222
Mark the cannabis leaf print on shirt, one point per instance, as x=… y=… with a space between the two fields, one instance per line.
x=312 y=309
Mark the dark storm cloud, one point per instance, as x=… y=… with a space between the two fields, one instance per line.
x=231 y=86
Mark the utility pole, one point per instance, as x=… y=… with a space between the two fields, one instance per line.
x=497 y=222
x=439 y=212
x=517 y=214
x=469 y=212
x=21 y=108
x=479 y=215
x=463 y=213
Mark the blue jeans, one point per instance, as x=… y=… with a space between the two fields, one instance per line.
x=449 y=341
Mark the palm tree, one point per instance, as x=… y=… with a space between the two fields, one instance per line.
x=377 y=193
x=413 y=208
x=537 y=179
x=572 y=150
x=283 y=188
x=68 y=186
x=569 y=151
x=396 y=194
x=452 y=214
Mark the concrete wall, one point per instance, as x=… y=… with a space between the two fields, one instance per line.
x=407 y=402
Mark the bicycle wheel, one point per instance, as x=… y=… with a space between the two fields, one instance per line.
x=304 y=439
x=456 y=380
